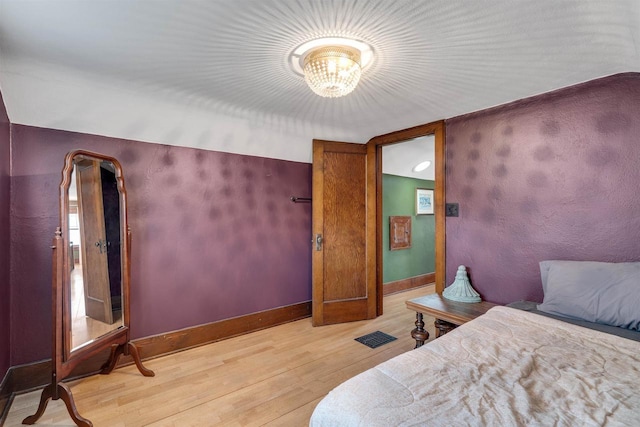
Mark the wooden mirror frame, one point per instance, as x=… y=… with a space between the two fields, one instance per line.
x=64 y=358
x=437 y=129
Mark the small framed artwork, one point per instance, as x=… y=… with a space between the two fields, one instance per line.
x=399 y=232
x=424 y=201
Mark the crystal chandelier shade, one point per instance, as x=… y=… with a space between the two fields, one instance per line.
x=332 y=71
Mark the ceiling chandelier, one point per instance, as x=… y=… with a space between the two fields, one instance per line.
x=332 y=71
x=331 y=66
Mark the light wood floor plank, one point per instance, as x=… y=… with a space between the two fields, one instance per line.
x=272 y=377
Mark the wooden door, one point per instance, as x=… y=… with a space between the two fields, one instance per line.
x=344 y=264
x=95 y=269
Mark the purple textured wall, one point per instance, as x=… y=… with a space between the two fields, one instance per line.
x=214 y=234
x=551 y=177
x=5 y=164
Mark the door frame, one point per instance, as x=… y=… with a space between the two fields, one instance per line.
x=437 y=129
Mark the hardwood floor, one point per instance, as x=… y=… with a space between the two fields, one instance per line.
x=271 y=377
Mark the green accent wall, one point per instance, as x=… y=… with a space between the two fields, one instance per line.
x=399 y=198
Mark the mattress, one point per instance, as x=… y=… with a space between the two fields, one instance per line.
x=506 y=368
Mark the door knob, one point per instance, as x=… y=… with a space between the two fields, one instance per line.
x=101 y=244
x=318 y=242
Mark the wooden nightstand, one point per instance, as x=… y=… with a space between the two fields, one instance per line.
x=448 y=314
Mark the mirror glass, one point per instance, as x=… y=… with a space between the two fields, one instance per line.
x=94 y=252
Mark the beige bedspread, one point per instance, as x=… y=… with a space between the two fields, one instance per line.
x=506 y=368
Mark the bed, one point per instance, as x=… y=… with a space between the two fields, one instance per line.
x=513 y=366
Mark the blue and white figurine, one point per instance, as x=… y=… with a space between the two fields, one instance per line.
x=461 y=289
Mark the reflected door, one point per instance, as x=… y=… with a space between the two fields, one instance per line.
x=95 y=271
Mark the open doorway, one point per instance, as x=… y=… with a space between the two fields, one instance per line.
x=437 y=131
x=408 y=215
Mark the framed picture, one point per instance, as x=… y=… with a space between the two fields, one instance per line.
x=399 y=232
x=424 y=201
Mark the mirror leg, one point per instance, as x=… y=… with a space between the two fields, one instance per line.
x=110 y=364
x=133 y=350
x=47 y=393
x=127 y=349
x=67 y=397
x=63 y=392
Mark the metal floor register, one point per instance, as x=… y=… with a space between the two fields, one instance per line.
x=375 y=339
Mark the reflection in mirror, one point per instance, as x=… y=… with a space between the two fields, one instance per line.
x=94 y=251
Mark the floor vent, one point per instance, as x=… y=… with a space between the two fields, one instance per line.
x=375 y=339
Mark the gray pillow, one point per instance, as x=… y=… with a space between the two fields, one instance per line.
x=600 y=292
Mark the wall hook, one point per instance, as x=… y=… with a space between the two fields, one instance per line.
x=300 y=199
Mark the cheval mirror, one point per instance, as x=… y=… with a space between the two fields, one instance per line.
x=90 y=274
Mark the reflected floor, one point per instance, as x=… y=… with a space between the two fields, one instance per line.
x=85 y=329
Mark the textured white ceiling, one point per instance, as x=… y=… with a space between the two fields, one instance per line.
x=400 y=159
x=214 y=74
